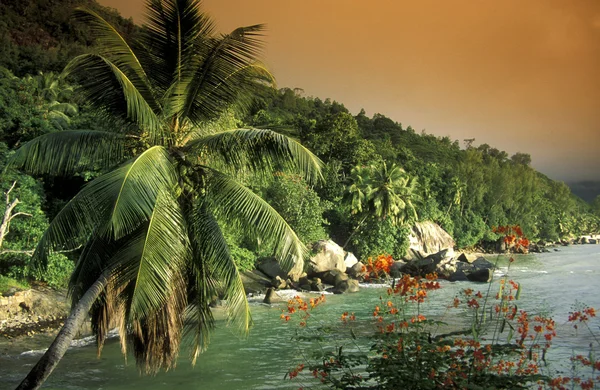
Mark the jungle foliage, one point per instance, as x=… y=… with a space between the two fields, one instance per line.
x=465 y=188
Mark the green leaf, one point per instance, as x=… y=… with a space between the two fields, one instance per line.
x=67 y=152
x=237 y=203
x=258 y=150
x=106 y=86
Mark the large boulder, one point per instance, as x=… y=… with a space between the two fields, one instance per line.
x=357 y=271
x=328 y=256
x=466 y=257
x=396 y=268
x=442 y=263
x=255 y=282
x=427 y=238
x=332 y=277
x=272 y=268
x=481 y=275
x=346 y=286
x=482 y=263
x=350 y=260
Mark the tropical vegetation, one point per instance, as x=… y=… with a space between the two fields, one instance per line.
x=138 y=167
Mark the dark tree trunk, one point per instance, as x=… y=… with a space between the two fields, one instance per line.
x=44 y=367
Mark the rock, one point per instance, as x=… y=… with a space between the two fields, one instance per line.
x=329 y=256
x=316 y=285
x=481 y=275
x=357 y=271
x=396 y=268
x=346 y=286
x=440 y=262
x=413 y=254
x=482 y=263
x=593 y=241
x=333 y=277
x=458 y=276
x=255 y=282
x=271 y=268
x=466 y=258
x=269 y=296
x=278 y=283
x=427 y=238
x=350 y=260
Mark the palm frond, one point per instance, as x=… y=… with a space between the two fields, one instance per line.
x=215 y=79
x=107 y=87
x=258 y=150
x=214 y=253
x=68 y=152
x=174 y=31
x=114 y=46
x=238 y=203
x=133 y=189
x=153 y=261
x=115 y=204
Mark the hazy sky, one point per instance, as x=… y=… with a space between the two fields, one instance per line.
x=518 y=75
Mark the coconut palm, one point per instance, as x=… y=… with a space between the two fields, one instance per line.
x=390 y=193
x=381 y=192
x=153 y=254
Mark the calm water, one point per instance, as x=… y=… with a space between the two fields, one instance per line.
x=552 y=283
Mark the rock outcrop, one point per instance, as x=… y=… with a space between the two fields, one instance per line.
x=328 y=256
x=427 y=238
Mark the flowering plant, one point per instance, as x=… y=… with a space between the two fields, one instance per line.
x=504 y=347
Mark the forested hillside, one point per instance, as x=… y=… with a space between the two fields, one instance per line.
x=379 y=176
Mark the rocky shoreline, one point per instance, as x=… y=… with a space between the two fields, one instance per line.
x=330 y=268
x=29 y=312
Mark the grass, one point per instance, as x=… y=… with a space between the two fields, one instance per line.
x=6 y=284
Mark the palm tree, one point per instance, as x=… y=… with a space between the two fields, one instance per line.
x=153 y=252
x=391 y=193
x=382 y=192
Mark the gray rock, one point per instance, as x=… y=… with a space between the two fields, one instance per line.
x=458 y=276
x=466 y=258
x=271 y=268
x=357 y=271
x=481 y=275
x=255 y=282
x=332 y=277
x=346 y=286
x=427 y=238
x=396 y=268
x=482 y=263
x=278 y=283
x=271 y=297
x=350 y=260
x=329 y=256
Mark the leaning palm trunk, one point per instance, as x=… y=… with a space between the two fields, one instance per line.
x=44 y=367
x=172 y=180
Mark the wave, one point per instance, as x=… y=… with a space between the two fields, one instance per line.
x=82 y=342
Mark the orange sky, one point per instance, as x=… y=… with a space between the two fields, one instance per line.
x=518 y=75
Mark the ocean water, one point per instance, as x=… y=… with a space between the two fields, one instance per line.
x=552 y=284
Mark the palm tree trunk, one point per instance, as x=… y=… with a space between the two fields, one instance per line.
x=355 y=230
x=44 y=367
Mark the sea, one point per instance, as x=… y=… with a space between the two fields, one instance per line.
x=553 y=284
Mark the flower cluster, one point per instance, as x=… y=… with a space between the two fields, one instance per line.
x=299 y=305
x=513 y=237
x=414 y=289
x=504 y=349
x=381 y=267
